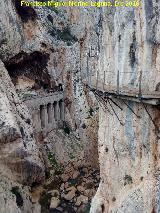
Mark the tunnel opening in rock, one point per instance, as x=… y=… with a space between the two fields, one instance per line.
x=29 y=70
x=26 y=13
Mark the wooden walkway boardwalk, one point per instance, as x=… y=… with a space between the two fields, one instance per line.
x=127 y=93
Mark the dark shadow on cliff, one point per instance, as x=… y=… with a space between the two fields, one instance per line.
x=25 y=13
x=32 y=66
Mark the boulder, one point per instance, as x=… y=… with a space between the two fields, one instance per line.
x=81 y=188
x=75 y=174
x=71 y=194
x=81 y=200
x=54 y=202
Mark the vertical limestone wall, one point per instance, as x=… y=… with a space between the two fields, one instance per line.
x=130 y=46
x=129 y=152
x=129 y=160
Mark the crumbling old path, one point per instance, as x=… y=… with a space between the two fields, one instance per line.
x=47 y=111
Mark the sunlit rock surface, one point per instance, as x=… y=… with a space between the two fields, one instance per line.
x=129 y=147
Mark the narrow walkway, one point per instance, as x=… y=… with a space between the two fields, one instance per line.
x=106 y=96
x=47 y=111
x=127 y=93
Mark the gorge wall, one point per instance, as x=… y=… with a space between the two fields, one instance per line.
x=129 y=137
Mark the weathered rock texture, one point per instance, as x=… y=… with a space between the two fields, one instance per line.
x=129 y=152
x=14 y=197
x=43 y=47
x=129 y=160
x=20 y=158
x=130 y=44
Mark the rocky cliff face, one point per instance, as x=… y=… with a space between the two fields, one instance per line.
x=128 y=160
x=129 y=137
x=42 y=48
x=21 y=161
x=130 y=45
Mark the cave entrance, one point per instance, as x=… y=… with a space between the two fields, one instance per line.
x=29 y=70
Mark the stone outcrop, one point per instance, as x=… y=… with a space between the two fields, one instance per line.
x=21 y=162
x=14 y=197
x=20 y=157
